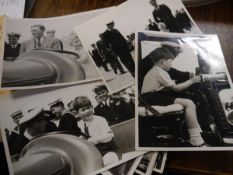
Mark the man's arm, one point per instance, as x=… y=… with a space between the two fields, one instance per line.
x=185 y=85
x=179 y=76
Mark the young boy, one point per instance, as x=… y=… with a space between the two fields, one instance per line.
x=159 y=89
x=97 y=130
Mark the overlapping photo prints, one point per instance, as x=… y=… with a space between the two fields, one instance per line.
x=146 y=164
x=129 y=167
x=160 y=162
x=184 y=93
x=110 y=37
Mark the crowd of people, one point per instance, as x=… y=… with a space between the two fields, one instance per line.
x=111 y=46
x=79 y=117
x=165 y=21
x=41 y=39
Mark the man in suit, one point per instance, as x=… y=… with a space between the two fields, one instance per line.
x=114 y=110
x=163 y=14
x=11 y=50
x=65 y=120
x=108 y=55
x=118 y=44
x=183 y=19
x=39 y=41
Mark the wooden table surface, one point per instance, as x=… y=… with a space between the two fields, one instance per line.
x=213 y=19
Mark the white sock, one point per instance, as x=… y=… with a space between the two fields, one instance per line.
x=195 y=137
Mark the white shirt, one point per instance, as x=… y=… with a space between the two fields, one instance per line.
x=14 y=46
x=96 y=127
x=155 y=80
x=107 y=102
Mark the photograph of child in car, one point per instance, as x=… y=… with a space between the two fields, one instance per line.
x=179 y=93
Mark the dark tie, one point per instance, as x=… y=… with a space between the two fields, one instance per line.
x=38 y=43
x=86 y=130
x=106 y=105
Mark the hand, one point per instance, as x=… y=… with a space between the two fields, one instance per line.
x=196 y=79
x=92 y=140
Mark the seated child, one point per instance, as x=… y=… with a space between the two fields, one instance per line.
x=159 y=89
x=97 y=130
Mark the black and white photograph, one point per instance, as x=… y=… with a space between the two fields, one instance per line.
x=146 y=165
x=160 y=162
x=80 y=129
x=46 y=52
x=109 y=38
x=184 y=93
x=129 y=168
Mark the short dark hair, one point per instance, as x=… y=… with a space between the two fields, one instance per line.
x=81 y=101
x=99 y=88
x=42 y=27
x=175 y=50
x=160 y=53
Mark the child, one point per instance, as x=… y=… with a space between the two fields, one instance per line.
x=159 y=89
x=97 y=130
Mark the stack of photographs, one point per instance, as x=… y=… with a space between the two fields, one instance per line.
x=95 y=91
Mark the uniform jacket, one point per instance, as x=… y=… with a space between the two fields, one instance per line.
x=11 y=52
x=117 y=111
x=68 y=122
x=96 y=57
x=115 y=40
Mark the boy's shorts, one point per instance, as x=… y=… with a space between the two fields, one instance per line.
x=162 y=98
x=109 y=147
